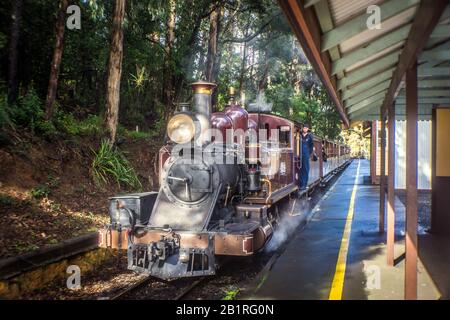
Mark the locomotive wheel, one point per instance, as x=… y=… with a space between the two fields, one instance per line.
x=274 y=215
x=280 y=209
x=285 y=205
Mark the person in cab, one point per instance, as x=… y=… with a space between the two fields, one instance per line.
x=307 y=152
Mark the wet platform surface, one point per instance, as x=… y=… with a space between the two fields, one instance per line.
x=317 y=261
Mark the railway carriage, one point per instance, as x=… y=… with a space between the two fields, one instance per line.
x=223 y=177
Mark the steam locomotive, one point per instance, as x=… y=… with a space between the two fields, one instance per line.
x=223 y=177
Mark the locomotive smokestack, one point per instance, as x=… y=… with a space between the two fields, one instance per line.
x=202 y=97
x=203 y=108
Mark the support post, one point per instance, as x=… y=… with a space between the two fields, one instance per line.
x=411 y=185
x=373 y=153
x=434 y=208
x=391 y=187
x=382 y=175
x=320 y=155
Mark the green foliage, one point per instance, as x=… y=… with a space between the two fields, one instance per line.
x=274 y=64
x=53 y=206
x=40 y=191
x=6 y=200
x=44 y=190
x=139 y=135
x=91 y=126
x=53 y=182
x=25 y=247
x=67 y=122
x=354 y=138
x=311 y=107
x=231 y=294
x=29 y=112
x=4 y=117
x=109 y=163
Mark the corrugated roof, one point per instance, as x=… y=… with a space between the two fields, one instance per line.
x=363 y=61
x=369 y=35
x=375 y=57
x=344 y=10
x=366 y=64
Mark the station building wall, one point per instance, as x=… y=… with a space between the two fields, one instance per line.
x=424 y=154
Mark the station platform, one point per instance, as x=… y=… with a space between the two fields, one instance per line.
x=340 y=254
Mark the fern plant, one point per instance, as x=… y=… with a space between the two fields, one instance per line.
x=109 y=163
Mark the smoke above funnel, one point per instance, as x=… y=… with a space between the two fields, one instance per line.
x=261 y=104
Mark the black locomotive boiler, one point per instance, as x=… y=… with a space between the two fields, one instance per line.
x=222 y=177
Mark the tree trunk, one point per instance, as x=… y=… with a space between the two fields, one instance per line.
x=242 y=72
x=211 y=60
x=16 y=17
x=191 y=43
x=115 y=70
x=214 y=54
x=168 y=72
x=56 y=60
x=263 y=81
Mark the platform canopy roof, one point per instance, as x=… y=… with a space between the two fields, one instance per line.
x=363 y=68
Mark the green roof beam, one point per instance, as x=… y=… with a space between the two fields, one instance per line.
x=369 y=70
x=369 y=83
x=367 y=102
x=429 y=93
x=437 y=71
x=401 y=101
x=309 y=3
x=441 y=31
x=371 y=49
x=358 y=24
x=435 y=55
x=372 y=108
x=368 y=93
x=443 y=83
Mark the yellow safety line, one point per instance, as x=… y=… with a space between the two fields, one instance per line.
x=339 y=275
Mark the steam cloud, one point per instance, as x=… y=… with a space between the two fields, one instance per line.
x=288 y=224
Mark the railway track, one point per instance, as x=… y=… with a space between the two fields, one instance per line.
x=181 y=294
x=129 y=290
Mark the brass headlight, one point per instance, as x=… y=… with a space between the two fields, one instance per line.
x=181 y=128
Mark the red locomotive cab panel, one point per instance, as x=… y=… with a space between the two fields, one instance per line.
x=276 y=140
x=252 y=124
